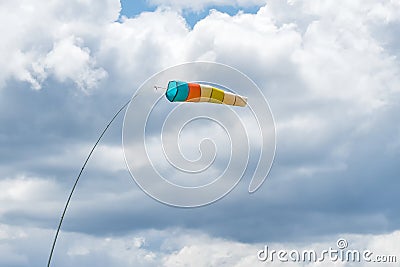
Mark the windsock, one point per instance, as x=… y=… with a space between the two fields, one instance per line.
x=178 y=91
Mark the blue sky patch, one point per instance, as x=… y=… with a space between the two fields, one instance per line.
x=131 y=9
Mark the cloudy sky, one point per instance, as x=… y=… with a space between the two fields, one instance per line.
x=331 y=74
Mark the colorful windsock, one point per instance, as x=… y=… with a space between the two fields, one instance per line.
x=178 y=91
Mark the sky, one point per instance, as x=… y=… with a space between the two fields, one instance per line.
x=330 y=74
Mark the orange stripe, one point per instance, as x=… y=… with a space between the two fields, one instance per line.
x=194 y=92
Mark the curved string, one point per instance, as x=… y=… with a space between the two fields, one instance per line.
x=79 y=176
x=159 y=87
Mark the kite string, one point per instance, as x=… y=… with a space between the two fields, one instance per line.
x=159 y=87
x=77 y=179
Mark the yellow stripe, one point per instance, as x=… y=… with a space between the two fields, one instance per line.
x=217 y=96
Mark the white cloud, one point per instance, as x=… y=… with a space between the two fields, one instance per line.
x=199 y=5
x=204 y=251
x=328 y=71
x=69 y=61
x=141 y=46
x=31 y=32
x=200 y=250
x=170 y=247
x=324 y=71
x=19 y=194
x=314 y=55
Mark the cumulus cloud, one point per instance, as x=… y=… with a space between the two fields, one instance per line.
x=334 y=67
x=207 y=251
x=171 y=247
x=329 y=71
x=43 y=37
x=201 y=5
x=19 y=193
x=69 y=61
x=139 y=47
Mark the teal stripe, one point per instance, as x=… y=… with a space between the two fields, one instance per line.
x=177 y=91
x=171 y=91
x=183 y=92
